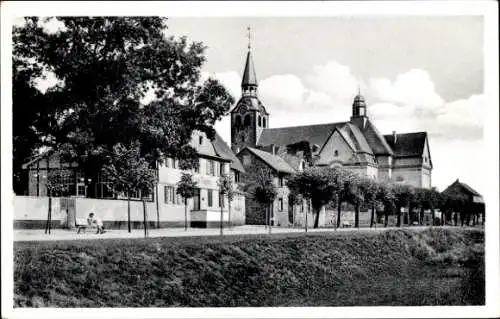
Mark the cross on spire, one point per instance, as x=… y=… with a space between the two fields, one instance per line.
x=359 y=89
x=249 y=36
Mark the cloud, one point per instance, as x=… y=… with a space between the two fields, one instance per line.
x=414 y=88
x=334 y=79
x=282 y=92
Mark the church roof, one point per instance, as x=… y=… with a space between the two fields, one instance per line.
x=360 y=142
x=249 y=102
x=249 y=77
x=407 y=144
x=314 y=134
x=224 y=151
x=274 y=161
x=376 y=140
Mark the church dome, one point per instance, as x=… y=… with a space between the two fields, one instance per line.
x=359 y=100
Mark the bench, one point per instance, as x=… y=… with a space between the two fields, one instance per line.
x=346 y=225
x=82 y=224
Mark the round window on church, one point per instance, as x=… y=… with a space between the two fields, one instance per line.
x=336 y=153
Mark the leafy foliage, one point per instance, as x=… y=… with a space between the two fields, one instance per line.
x=128 y=171
x=107 y=67
x=186 y=186
x=259 y=185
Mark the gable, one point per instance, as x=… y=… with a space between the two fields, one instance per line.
x=202 y=144
x=336 y=142
x=426 y=154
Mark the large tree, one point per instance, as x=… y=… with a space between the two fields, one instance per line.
x=106 y=67
x=319 y=185
x=260 y=187
x=186 y=187
x=129 y=172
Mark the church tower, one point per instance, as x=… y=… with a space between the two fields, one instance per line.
x=249 y=117
x=359 y=116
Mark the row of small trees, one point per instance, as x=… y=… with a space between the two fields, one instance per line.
x=334 y=186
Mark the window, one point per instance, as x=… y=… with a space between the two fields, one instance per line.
x=259 y=122
x=336 y=153
x=264 y=122
x=399 y=179
x=169 y=194
x=237 y=120
x=167 y=162
x=197 y=168
x=212 y=168
x=174 y=163
x=200 y=140
x=248 y=120
x=236 y=177
x=221 y=167
x=302 y=207
x=425 y=159
x=242 y=138
x=210 y=197
x=281 y=181
x=247 y=160
x=280 y=204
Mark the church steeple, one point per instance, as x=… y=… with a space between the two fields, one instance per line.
x=359 y=116
x=249 y=117
x=249 y=81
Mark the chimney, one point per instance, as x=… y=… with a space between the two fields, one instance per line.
x=394 y=136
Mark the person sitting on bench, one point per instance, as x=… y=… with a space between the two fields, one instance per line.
x=95 y=222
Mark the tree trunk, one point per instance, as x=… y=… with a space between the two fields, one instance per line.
x=221 y=221
x=49 y=217
x=339 y=211
x=145 y=218
x=157 y=208
x=372 y=217
x=128 y=213
x=266 y=210
x=356 y=215
x=316 y=217
x=386 y=216
x=230 y=224
x=185 y=214
x=307 y=212
x=271 y=215
x=398 y=212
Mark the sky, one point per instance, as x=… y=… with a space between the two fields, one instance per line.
x=417 y=73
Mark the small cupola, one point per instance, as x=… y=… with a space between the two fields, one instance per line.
x=359 y=105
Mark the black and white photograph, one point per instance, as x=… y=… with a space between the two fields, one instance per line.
x=250 y=159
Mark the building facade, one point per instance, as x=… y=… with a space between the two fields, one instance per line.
x=166 y=208
x=356 y=144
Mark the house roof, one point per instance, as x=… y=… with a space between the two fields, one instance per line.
x=223 y=150
x=274 y=161
x=38 y=157
x=314 y=134
x=407 y=144
x=463 y=186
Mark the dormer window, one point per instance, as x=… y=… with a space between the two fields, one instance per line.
x=201 y=140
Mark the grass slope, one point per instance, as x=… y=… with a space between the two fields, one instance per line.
x=394 y=267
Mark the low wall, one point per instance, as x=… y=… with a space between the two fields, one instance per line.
x=30 y=212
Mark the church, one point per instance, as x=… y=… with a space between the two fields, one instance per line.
x=355 y=144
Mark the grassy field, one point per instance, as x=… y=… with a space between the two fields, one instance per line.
x=394 y=267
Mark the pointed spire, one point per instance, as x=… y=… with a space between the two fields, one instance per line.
x=249 y=80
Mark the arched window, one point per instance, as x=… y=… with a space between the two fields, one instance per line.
x=259 y=120
x=237 y=120
x=263 y=122
x=248 y=120
x=242 y=138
